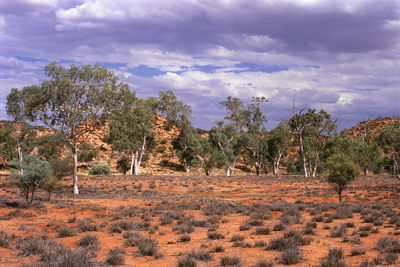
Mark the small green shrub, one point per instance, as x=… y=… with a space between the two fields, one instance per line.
x=100 y=169
x=35 y=171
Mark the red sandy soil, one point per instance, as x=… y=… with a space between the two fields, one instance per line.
x=102 y=198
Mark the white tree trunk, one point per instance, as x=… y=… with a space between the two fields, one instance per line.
x=132 y=162
x=75 y=178
x=137 y=163
x=139 y=156
x=228 y=171
x=187 y=167
x=303 y=156
x=395 y=167
x=20 y=156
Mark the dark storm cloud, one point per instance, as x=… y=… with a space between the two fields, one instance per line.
x=208 y=49
x=288 y=26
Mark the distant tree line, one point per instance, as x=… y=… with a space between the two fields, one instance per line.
x=71 y=101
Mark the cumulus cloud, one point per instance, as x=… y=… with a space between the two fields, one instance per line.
x=342 y=56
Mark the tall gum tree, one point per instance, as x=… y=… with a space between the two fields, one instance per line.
x=278 y=142
x=16 y=108
x=312 y=130
x=131 y=127
x=134 y=122
x=248 y=121
x=71 y=100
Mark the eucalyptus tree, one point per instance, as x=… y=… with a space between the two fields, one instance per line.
x=188 y=146
x=366 y=156
x=70 y=100
x=131 y=127
x=174 y=111
x=224 y=138
x=389 y=140
x=17 y=109
x=278 y=142
x=133 y=123
x=248 y=121
x=312 y=130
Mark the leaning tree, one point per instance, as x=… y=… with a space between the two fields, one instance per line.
x=70 y=100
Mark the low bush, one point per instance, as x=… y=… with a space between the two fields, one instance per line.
x=148 y=247
x=263 y=263
x=76 y=258
x=218 y=249
x=291 y=239
x=339 y=231
x=65 y=231
x=388 y=244
x=291 y=256
x=230 y=261
x=263 y=230
x=334 y=258
x=215 y=235
x=187 y=261
x=115 y=257
x=201 y=255
x=100 y=169
x=87 y=226
x=4 y=243
x=90 y=242
x=357 y=251
x=185 y=238
x=237 y=237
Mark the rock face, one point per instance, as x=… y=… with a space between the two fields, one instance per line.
x=367 y=130
x=161 y=159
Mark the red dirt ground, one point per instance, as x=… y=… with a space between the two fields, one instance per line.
x=105 y=199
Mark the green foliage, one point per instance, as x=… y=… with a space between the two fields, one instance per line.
x=35 y=172
x=366 y=156
x=123 y=165
x=389 y=141
x=188 y=146
x=312 y=130
x=341 y=171
x=224 y=141
x=71 y=98
x=100 y=169
x=49 y=146
x=131 y=127
x=16 y=107
x=8 y=142
x=278 y=142
x=248 y=121
x=87 y=153
x=174 y=111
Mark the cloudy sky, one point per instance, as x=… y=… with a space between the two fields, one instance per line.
x=341 y=56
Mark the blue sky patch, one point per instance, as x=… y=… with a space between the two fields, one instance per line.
x=146 y=71
x=252 y=67
x=29 y=59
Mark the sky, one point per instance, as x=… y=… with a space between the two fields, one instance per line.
x=339 y=55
